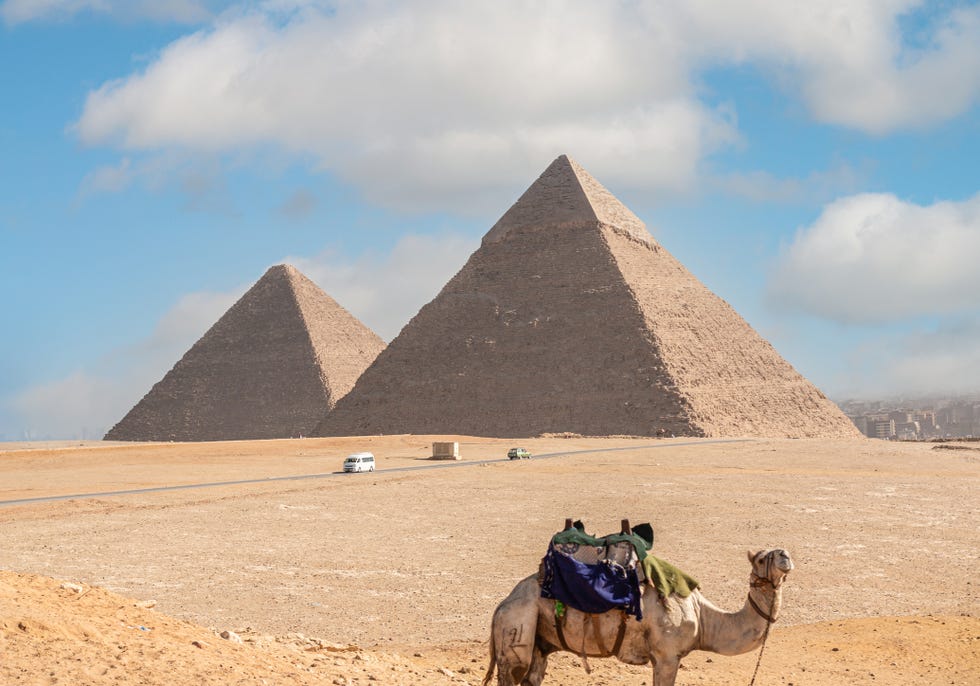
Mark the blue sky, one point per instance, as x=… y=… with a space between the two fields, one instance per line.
x=816 y=164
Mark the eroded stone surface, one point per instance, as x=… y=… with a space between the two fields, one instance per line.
x=571 y=318
x=271 y=367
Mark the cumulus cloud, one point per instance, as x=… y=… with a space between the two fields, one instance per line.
x=872 y=65
x=876 y=258
x=180 y=11
x=894 y=88
x=423 y=103
x=385 y=290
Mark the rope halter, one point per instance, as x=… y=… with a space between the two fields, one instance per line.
x=762 y=581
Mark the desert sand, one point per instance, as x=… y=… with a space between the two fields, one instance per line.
x=391 y=577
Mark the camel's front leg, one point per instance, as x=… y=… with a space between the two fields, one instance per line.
x=665 y=671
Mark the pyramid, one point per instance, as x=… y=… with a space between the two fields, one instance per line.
x=570 y=317
x=270 y=367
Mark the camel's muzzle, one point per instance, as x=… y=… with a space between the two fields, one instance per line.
x=782 y=561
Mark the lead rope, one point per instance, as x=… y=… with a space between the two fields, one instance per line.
x=770 y=618
x=758 y=662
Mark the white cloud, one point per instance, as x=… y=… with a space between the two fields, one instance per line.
x=902 y=88
x=850 y=61
x=180 y=11
x=424 y=104
x=876 y=258
x=385 y=290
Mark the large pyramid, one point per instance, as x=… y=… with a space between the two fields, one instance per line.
x=570 y=317
x=271 y=367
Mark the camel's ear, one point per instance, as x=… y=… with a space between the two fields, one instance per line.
x=751 y=556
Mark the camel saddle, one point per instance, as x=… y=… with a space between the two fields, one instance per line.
x=596 y=574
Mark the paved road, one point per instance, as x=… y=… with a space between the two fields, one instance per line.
x=333 y=475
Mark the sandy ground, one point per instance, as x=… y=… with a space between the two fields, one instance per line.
x=392 y=577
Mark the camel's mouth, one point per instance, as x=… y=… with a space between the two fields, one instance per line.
x=783 y=562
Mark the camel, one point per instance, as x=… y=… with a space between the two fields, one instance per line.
x=524 y=631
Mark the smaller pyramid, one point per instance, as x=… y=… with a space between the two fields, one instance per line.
x=271 y=367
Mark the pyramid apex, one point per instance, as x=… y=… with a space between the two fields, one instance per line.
x=282 y=273
x=566 y=194
x=607 y=207
x=281 y=269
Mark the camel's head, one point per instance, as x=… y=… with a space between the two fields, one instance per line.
x=770 y=565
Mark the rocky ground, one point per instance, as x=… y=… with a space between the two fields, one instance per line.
x=391 y=577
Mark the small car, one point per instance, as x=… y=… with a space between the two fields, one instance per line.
x=518 y=454
x=359 y=462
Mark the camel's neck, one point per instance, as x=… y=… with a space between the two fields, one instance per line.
x=734 y=633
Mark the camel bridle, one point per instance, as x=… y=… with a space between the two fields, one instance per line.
x=762 y=581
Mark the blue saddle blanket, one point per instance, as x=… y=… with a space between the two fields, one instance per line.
x=592 y=588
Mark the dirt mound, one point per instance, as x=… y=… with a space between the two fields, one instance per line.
x=56 y=632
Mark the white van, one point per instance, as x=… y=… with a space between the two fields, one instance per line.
x=359 y=462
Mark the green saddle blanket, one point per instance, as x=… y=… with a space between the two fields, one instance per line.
x=667 y=578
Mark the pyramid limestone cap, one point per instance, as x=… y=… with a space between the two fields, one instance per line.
x=280 y=271
x=566 y=195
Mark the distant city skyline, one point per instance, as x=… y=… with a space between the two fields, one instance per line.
x=815 y=164
x=916 y=418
